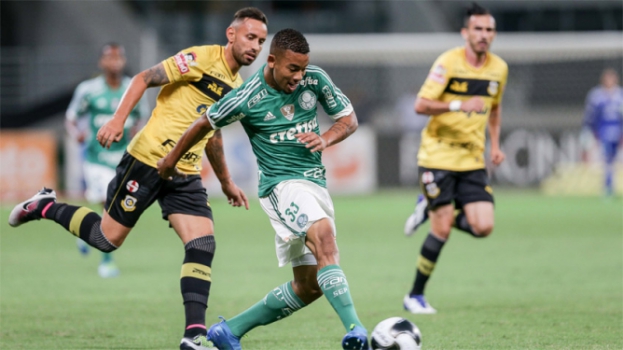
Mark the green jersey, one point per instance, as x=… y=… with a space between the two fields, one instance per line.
x=271 y=118
x=96 y=101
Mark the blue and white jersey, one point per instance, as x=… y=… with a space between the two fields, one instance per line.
x=604 y=113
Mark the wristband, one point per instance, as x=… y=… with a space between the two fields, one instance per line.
x=455 y=105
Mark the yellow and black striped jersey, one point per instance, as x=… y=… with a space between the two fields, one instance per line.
x=198 y=76
x=456 y=140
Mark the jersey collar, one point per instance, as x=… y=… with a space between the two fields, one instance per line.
x=472 y=68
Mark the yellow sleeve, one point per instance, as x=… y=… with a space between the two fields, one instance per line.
x=185 y=65
x=498 y=98
x=437 y=79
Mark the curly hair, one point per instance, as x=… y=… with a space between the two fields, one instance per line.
x=289 y=39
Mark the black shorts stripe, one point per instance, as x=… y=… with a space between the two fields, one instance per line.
x=128 y=171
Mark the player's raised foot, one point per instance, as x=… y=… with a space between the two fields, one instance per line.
x=356 y=339
x=221 y=336
x=199 y=342
x=83 y=248
x=108 y=269
x=31 y=208
x=418 y=217
x=416 y=304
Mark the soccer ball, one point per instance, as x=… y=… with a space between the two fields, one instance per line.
x=396 y=333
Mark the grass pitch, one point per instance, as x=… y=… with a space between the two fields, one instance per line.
x=549 y=277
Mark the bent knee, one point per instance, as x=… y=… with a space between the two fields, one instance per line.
x=309 y=288
x=483 y=229
x=115 y=238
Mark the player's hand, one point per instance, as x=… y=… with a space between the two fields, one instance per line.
x=110 y=132
x=168 y=171
x=497 y=156
x=235 y=196
x=312 y=141
x=474 y=104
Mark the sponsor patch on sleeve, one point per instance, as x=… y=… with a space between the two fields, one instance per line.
x=181 y=63
x=438 y=74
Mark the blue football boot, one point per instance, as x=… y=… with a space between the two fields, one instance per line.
x=221 y=336
x=356 y=339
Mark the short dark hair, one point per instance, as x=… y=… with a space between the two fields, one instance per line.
x=111 y=45
x=474 y=10
x=250 y=12
x=289 y=39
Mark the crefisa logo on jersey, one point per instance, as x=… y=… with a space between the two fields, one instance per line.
x=493 y=88
x=308 y=81
x=132 y=186
x=307 y=100
x=288 y=111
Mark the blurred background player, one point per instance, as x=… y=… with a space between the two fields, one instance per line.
x=277 y=107
x=93 y=104
x=604 y=119
x=463 y=95
x=192 y=80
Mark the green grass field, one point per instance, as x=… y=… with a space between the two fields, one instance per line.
x=550 y=277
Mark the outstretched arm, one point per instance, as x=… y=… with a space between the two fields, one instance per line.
x=195 y=133
x=214 y=151
x=340 y=130
x=112 y=131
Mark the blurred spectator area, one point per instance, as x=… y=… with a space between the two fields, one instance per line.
x=48 y=47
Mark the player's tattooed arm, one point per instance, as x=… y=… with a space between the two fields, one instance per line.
x=155 y=76
x=112 y=131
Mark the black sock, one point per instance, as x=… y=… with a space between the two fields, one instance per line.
x=81 y=222
x=195 y=282
x=460 y=222
x=426 y=262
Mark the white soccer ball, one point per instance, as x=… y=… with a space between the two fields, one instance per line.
x=396 y=333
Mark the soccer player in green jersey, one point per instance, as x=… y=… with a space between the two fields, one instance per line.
x=277 y=108
x=94 y=102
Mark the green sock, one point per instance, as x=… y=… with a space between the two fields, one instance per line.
x=106 y=258
x=335 y=287
x=280 y=303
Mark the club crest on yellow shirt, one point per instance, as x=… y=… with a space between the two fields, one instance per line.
x=493 y=88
